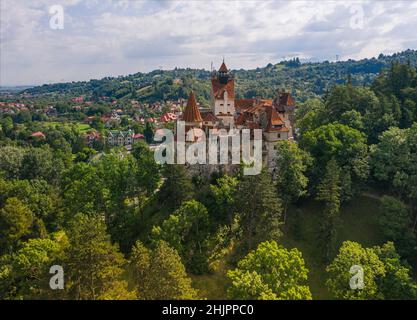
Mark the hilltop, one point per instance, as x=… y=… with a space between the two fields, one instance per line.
x=303 y=80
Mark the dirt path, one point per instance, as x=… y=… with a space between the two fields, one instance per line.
x=371 y=195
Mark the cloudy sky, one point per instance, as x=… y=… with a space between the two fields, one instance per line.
x=109 y=38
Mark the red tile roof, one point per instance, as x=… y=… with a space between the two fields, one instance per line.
x=89 y=119
x=244 y=103
x=266 y=102
x=253 y=105
x=38 y=134
x=275 y=119
x=286 y=99
x=191 y=112
x=223 y=67
x=209 y=116
x=219 y=88
x=168 y=117
x=255 y=109
x=240 y=120
x=275 y=122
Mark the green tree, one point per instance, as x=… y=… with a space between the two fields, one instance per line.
x=159 y=273
x=118 y=175
x=15 y=222
x=397 y=283
x=310 y=115
x=394 y=162
x=346 y=145
x=270 y=272
x=353 y=119
x=350 y=254
x=399 y=83
x=380 y=117
x=328 y=191
x=224 y=194
x=11 y=161
x=362 y=108
x=395 y=223
x=117 y=171
x=83 y=190
x=186 y=230
x=94 y=266
x=40 y=197
x=290 y=167
x=384 y=275
x=260 y=209
x=42 y=163
x=177 y=186
x=24 y=274
x=7 y=125
x=148 y=174
x=148 y=132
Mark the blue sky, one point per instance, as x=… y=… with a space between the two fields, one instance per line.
x=109 y=38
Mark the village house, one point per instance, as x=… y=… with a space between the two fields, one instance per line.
x=111 y=120
x=12 y=107
x=76 y=108
x=91 y=137
x=7 y=111
x=50 y=111
x=168 y=117
x=38 y=135
x=89 y=120
x=78 y=99
x=122 y=138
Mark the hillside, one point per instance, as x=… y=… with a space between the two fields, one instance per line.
x=304 y=80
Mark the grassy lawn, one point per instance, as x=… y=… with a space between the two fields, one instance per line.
x=358 y=223
x=83 y=127
x=152 y=214
x=210 y=286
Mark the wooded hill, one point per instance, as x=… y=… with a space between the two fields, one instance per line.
x=303 y=80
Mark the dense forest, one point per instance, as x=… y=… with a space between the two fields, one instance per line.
x=123 y=227
x=304 y=80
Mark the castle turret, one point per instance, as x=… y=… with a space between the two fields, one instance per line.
x=191 y=115
x=284 y=103
x=223 y=95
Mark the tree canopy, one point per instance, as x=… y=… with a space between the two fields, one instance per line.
x=270 y=272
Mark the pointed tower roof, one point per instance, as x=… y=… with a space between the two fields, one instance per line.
x=275 y=122
x=191 y=112
x=223 y=67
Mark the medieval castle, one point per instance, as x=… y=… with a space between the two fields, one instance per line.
x=275 y=117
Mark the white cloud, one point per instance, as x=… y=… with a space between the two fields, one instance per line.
x=112 y=37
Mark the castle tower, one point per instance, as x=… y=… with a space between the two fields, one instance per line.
x=191 y=115
x=274 y=130
x=284 y=103
x=223 y=95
